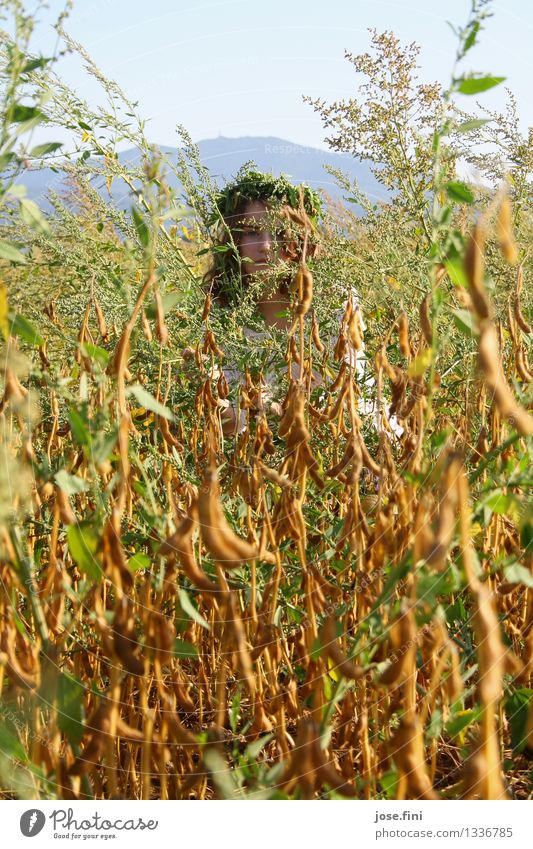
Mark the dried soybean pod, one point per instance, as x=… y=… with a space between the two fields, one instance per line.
x=296 y=285
x=345 y=666
x=490 y=363
x=521 y=366
x=125 y=638
x=160 y=326
x=211 y=343
x=66 y=513
x=207 y=306
x=304 y=304
x=316 y=337
x=520 y=320
x=147 y=330
x=407 y=750
x=102 y=326
x=354 y=331
x=222 y=386
x=403 y=335
x=225 y=546
x=425 y=319
x=474 y=268
x=340 y=377
x=504 y=227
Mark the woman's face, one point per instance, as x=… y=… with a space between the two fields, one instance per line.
x=258 y=246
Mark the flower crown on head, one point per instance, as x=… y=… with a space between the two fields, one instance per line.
x=251 y=184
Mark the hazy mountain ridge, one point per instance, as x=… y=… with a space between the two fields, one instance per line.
x=224 y=156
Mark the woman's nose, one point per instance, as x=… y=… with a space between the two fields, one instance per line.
x=265 y=243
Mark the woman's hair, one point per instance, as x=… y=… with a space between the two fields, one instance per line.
x=299 y=207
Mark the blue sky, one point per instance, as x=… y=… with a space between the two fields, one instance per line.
x=240 y=67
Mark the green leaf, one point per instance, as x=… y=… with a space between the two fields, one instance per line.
x=462 y=720
x=459 y=192
x=94 y=352
x=140 y=226
x=395 y=575
x=21 y=327
x=34 y=64
x=253 y=749
x=70 y=484
x=25 y=113
x=389 y=783
x=32 y=216
x=11 y=746
x=474 y=124
x=70 y=712
x=190 y=610
x=78 y=427
x=168 y=301
x=42 y=149
x=434 y=728
x=139 y=560
x=223 y=779
x=471 y=37
x=464 y=321
x=517 y=708
x=475 y=85
x=517 y=574
x=504 y=504
x=83 y=543
x=148 y=401
x=184 y=650
x=102 y=445
x=456 y=272
x=420 y=363
x=10 y=252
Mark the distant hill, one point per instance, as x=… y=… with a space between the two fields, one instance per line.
x=224 y=156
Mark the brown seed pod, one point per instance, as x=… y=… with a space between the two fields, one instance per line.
x=349 y=450
x=221 y=541
x=340 y=347
x=403 y=335
x=222 y=386
x=180 y=544
x=520 y=320
x=425 y=319
x=125 y=638
x=407 y=750
x=316 y=337
x=355 y=331
x=474 y=268
x=274 y=476
x=66 y=513
x=490 y=364
x=102 y=326
x=329 y=641
x=211 y=344
x=504 y=229
x=296 y=284
x=169 y=437
x=24 y=678
x=147 y=330
x=207 y=307
x=521 y=367
x=161 y=329
x=304 y=304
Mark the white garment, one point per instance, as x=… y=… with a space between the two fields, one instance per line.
x=366 y=406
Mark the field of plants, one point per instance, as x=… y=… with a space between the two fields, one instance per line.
x=316 y=607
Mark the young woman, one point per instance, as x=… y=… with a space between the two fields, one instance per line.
x=266 y=226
